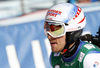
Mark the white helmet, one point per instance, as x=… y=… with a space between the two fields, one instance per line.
x=67 y=13
x=65 y=18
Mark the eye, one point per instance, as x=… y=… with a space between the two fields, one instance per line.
x=55 y=27
x=52 y=27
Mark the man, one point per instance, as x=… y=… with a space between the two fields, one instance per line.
x=63 y=26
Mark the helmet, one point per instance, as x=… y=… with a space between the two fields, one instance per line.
x=65 y=18
x=67 y=13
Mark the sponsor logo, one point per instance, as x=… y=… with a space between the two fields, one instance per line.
x=71 y=15
x=81 y=56
x=53 y=13
x=96 y=64
x=75 y=28
x=66 y=64
x=72 y=63
x=71 y=29
x=57 y=66
x=89 y=46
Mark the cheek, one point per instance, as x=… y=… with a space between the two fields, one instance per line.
x=62 y=42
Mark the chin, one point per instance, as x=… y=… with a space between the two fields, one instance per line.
x=55 y=51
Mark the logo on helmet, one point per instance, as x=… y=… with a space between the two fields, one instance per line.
x=72 y=29
x=53 y=13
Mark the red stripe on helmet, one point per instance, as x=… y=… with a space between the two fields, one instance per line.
x=81 y=20
x=78 y=12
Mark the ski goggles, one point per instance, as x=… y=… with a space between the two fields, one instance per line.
x=58 y=29
x=54 y=29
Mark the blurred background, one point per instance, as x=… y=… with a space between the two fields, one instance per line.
x=23 y=43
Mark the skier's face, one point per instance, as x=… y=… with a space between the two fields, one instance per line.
x=57 y=44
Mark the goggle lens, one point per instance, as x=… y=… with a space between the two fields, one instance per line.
x=55 y=29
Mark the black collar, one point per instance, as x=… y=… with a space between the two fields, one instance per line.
x=72 y=50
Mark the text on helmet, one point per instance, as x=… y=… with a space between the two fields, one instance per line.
x=53 y=13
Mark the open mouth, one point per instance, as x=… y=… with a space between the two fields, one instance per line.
x=53 y=43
